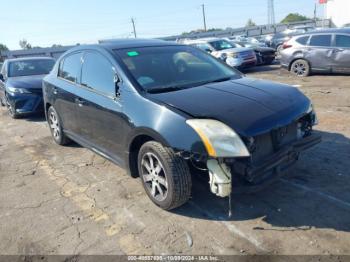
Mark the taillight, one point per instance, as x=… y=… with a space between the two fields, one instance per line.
x=286 y=45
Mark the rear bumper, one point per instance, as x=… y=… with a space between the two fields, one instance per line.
x=276 y=165
x=26 y=103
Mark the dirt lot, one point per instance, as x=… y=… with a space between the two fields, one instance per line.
x=68 y=200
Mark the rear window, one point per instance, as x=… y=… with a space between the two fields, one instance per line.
x=302 y=40
x=321 y=40
x=342 y=41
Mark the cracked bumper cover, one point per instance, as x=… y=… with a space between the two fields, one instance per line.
x=275 y=165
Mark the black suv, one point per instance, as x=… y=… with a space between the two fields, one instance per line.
x=160 y=109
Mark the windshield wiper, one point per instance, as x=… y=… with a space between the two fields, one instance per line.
x=163 y=89
x=223 y=79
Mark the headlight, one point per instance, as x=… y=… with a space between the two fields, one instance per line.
x=233 y=55
x=18 y=90
x=219 y=139
x=313 y=115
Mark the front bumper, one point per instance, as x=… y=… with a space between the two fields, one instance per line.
x=273 y=167
x=26 y=103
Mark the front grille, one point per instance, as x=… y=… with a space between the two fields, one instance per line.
x=267 y=144
x=247 y=55
x=35 y=90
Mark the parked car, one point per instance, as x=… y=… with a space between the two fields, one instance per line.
x=319 y=51
x=264 y=55
x=279 y=38
x=160 y=109
x=250 y=42
x=239 y=57
x=1 y=63
x=21 y=84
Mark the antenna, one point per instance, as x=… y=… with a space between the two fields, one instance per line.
x=271 y=12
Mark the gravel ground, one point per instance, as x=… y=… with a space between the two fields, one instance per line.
x=68 y=200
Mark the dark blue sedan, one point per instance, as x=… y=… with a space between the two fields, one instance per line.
x=21 y=84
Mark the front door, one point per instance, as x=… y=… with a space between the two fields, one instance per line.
x=100 y=107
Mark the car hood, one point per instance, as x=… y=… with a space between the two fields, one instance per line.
x=249 y=106
x=27 y=82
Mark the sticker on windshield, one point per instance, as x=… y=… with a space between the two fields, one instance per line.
x=133 y=53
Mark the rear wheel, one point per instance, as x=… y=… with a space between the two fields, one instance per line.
x=300 y=67
x=164 y=175
x=56 y=127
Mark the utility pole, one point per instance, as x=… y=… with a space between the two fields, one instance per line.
x=133 y=26
x=204 y=18
x=270 y=12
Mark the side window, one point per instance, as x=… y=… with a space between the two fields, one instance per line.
x=98 y=73
x=302 y=40
x=321 y=40
x=70 y=67
x=342 y=41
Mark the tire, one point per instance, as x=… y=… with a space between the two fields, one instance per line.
x=10 y=109
x=167 y=173
x=55 y=125
x=300 y=68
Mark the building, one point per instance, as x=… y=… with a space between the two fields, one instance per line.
x=54 y=52
x=338 y=11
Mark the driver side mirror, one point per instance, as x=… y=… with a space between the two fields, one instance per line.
x=2 y=77
x=208 y=51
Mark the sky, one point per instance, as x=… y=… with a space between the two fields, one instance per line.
x=47 y=22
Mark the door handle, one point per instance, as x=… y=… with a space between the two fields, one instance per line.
x=79 y=101
x=55 y=91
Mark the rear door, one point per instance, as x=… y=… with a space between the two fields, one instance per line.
x=320 y=52
x=100 y=105
x=341 y=53
x=65 y=91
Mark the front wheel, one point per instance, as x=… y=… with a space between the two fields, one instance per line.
x=164 y=175
x=300 y=68
x=56 y=129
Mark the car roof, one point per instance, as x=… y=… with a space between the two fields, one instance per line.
x=329 y=31
x=131 y=43
x=29 y=58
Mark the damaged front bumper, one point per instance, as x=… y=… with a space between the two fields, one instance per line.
x=257 y=175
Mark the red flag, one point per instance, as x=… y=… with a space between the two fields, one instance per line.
x=323 y=2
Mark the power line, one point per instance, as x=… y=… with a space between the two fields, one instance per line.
x=204 y=18
x=133 y=26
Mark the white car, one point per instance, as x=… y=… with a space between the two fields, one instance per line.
x=220 y=48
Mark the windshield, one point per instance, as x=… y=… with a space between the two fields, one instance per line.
x=221 y=45
x=162 y=68
x=30 y=67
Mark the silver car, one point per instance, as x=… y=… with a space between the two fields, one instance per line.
x=319 y=51
x=238 y=57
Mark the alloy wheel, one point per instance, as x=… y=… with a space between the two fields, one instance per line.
x=54 y=125
x=299 y=69
x=153 y=175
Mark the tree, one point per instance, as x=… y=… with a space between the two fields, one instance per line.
x=294 y=17
x=3 y=47
x=24 y=44
x=250 y=23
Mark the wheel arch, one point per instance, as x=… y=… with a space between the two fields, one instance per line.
x=137 y=139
